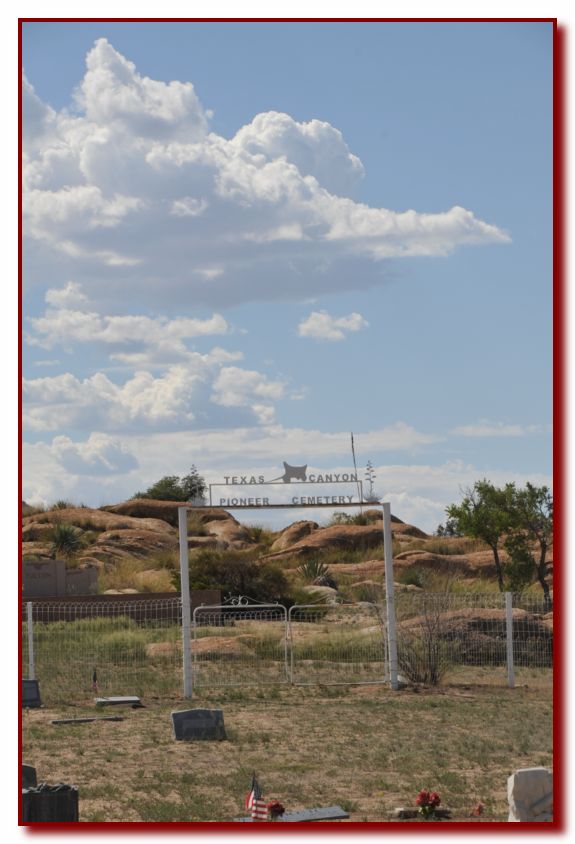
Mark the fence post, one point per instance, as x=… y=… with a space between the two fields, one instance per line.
x=389 y=597
x=30 y=625
x=509 y=639
x=185 y=591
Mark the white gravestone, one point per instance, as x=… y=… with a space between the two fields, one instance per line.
x=530 y=795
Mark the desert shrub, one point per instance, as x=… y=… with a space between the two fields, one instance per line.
x=423 y=658
x=424 y=653
x=260 y=534
x=236 y=573
x=413 y=576
x=154 y=581
x=62 y=504
x=169 y=560
x=346 y=519
x=196 y=527
x=121 y=574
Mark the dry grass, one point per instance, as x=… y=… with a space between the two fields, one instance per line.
x=135 y=573
x=363 y=747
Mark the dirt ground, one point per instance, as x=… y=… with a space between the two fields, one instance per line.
x=365 y=748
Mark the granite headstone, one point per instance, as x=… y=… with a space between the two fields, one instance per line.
x=31 y=694
x=199 y=725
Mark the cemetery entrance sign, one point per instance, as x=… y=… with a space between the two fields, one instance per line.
x=243 y=495
x=297 y=477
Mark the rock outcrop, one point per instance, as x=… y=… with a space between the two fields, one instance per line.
x=292 y=534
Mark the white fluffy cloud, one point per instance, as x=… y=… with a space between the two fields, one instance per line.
x=64 y=325
x=134 y=181
x=98 y=455
x=202 y=394
x=322 y=326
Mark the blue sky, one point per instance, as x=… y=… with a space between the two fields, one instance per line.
x=198 y=292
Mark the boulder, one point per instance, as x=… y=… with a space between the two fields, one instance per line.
x=140 y=543
x=530 y=795
x=167 y=511
x=230 y=532
x=97 y=520
x=292 y=534
x=35 y=532
x=36 y=551
x=400 y=529
x=477 y=564
x=335 y=536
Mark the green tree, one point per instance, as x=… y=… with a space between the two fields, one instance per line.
x=174 y=488
x=533 y=520
x=486 y=513
x=521 y=565
x=448 y=529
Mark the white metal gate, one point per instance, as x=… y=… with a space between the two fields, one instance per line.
x=239 y=644
x=337 y=644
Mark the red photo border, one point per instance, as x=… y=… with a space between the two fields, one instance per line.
x=558 y=825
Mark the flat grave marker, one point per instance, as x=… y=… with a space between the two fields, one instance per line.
x=328 y=813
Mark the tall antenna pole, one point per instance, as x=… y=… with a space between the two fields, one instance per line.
x=359 y=495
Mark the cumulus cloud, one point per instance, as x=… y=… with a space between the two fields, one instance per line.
x=151 y=342
x=322 y=326
x=135 y=181
x=97 y=402
x=201 y=394
x=98 y=455
x=63 y=325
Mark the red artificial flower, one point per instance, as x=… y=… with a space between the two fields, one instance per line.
x=275 y=809
x=478 y=810
x=434 y=799
x=422 y=798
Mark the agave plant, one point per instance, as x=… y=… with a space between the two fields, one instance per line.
x=317 y=573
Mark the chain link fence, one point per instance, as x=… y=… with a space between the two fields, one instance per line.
x=135 y=647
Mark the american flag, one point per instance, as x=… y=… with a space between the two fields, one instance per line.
x=95 y=682
x=256 y=803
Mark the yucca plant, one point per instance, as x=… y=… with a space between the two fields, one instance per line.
x=316 y=573
x=66 y=540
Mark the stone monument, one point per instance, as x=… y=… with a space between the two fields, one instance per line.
x=530 y=795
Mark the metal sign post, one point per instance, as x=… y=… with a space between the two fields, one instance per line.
x=185 y=591
x=30 y=625
x=389 y=596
